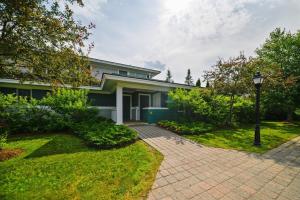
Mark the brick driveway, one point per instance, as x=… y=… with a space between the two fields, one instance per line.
x=193 y=171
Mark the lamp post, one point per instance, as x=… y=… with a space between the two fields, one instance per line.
x=257 y=79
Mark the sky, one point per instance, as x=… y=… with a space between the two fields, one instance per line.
x=183 y=34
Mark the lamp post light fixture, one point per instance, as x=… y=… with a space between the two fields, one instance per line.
x=257 y=79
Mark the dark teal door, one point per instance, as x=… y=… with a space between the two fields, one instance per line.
x=144 y=102
x=126 y=108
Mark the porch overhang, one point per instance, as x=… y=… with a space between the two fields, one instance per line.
x=109 y=82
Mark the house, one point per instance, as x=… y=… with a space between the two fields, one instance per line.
x=125 y=93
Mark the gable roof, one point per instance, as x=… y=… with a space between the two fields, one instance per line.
x=153 y=71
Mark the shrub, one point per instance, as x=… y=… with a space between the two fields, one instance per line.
x=203 y=105
x=64 y=109
x=186 y=127
x=243 y=110
x=104 y=133
x=65 y=101
x=23 y=115
x=3 y=137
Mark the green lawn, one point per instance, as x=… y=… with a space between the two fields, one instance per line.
x=272 y=135
x=61 y=166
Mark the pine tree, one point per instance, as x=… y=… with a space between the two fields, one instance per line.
x=198 y=83
x=207 y=84
x=188 y=78
x=169 y=77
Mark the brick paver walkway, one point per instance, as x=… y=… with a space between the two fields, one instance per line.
x=193 y=171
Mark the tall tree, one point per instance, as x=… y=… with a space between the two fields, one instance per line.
x=280 y=55
x=228 y=78
x=188 y=78
x=198 y=82
x=42 y=38
x=169 y=77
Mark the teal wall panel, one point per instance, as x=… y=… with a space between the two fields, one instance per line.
x=154 y=115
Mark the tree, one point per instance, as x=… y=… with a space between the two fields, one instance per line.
x=41 y=41
x=169 y=77
x=198 y=82
x=280 y=55
x=229 y=78
x=207 y=84
x=188 y=78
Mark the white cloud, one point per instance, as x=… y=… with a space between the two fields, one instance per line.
x=91 y=10
x=186 y=34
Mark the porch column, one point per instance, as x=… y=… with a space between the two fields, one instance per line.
x=119 y=100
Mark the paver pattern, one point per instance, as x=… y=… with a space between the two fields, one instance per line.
x=193 y=171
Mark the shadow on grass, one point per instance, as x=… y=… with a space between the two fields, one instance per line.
x=60 y=144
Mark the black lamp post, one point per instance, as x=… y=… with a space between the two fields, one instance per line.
x=257 y=79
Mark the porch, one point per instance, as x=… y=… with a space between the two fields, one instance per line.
x=134 y=105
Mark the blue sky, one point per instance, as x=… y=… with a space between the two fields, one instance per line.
x=182 y=34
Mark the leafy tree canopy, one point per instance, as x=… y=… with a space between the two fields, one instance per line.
x=41 y=41
x=279 y=59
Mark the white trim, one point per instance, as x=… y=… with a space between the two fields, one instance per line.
x=130 y=104
x=156 y=108
x=136 y=109
x=144 y=81
x=104 y=107
x=119 y=104
x=13 y=81
x=124 y=66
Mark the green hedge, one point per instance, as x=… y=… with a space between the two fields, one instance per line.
x=186 y=128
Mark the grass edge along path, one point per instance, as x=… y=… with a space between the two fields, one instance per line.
x=273 y=134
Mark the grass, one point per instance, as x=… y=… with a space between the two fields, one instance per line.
x=272 y=135
x=62 y=166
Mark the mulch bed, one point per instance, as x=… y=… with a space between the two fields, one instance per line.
x=6 y=154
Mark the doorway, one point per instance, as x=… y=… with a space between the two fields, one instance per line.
x=126 y=108
x=144 y=101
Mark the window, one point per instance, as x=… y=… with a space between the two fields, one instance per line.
x=123 y=73
x=5 y=90
x=39 y=94
x=24 y=93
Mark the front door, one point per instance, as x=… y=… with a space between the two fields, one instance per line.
x=126 y=108
x=144 y=102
